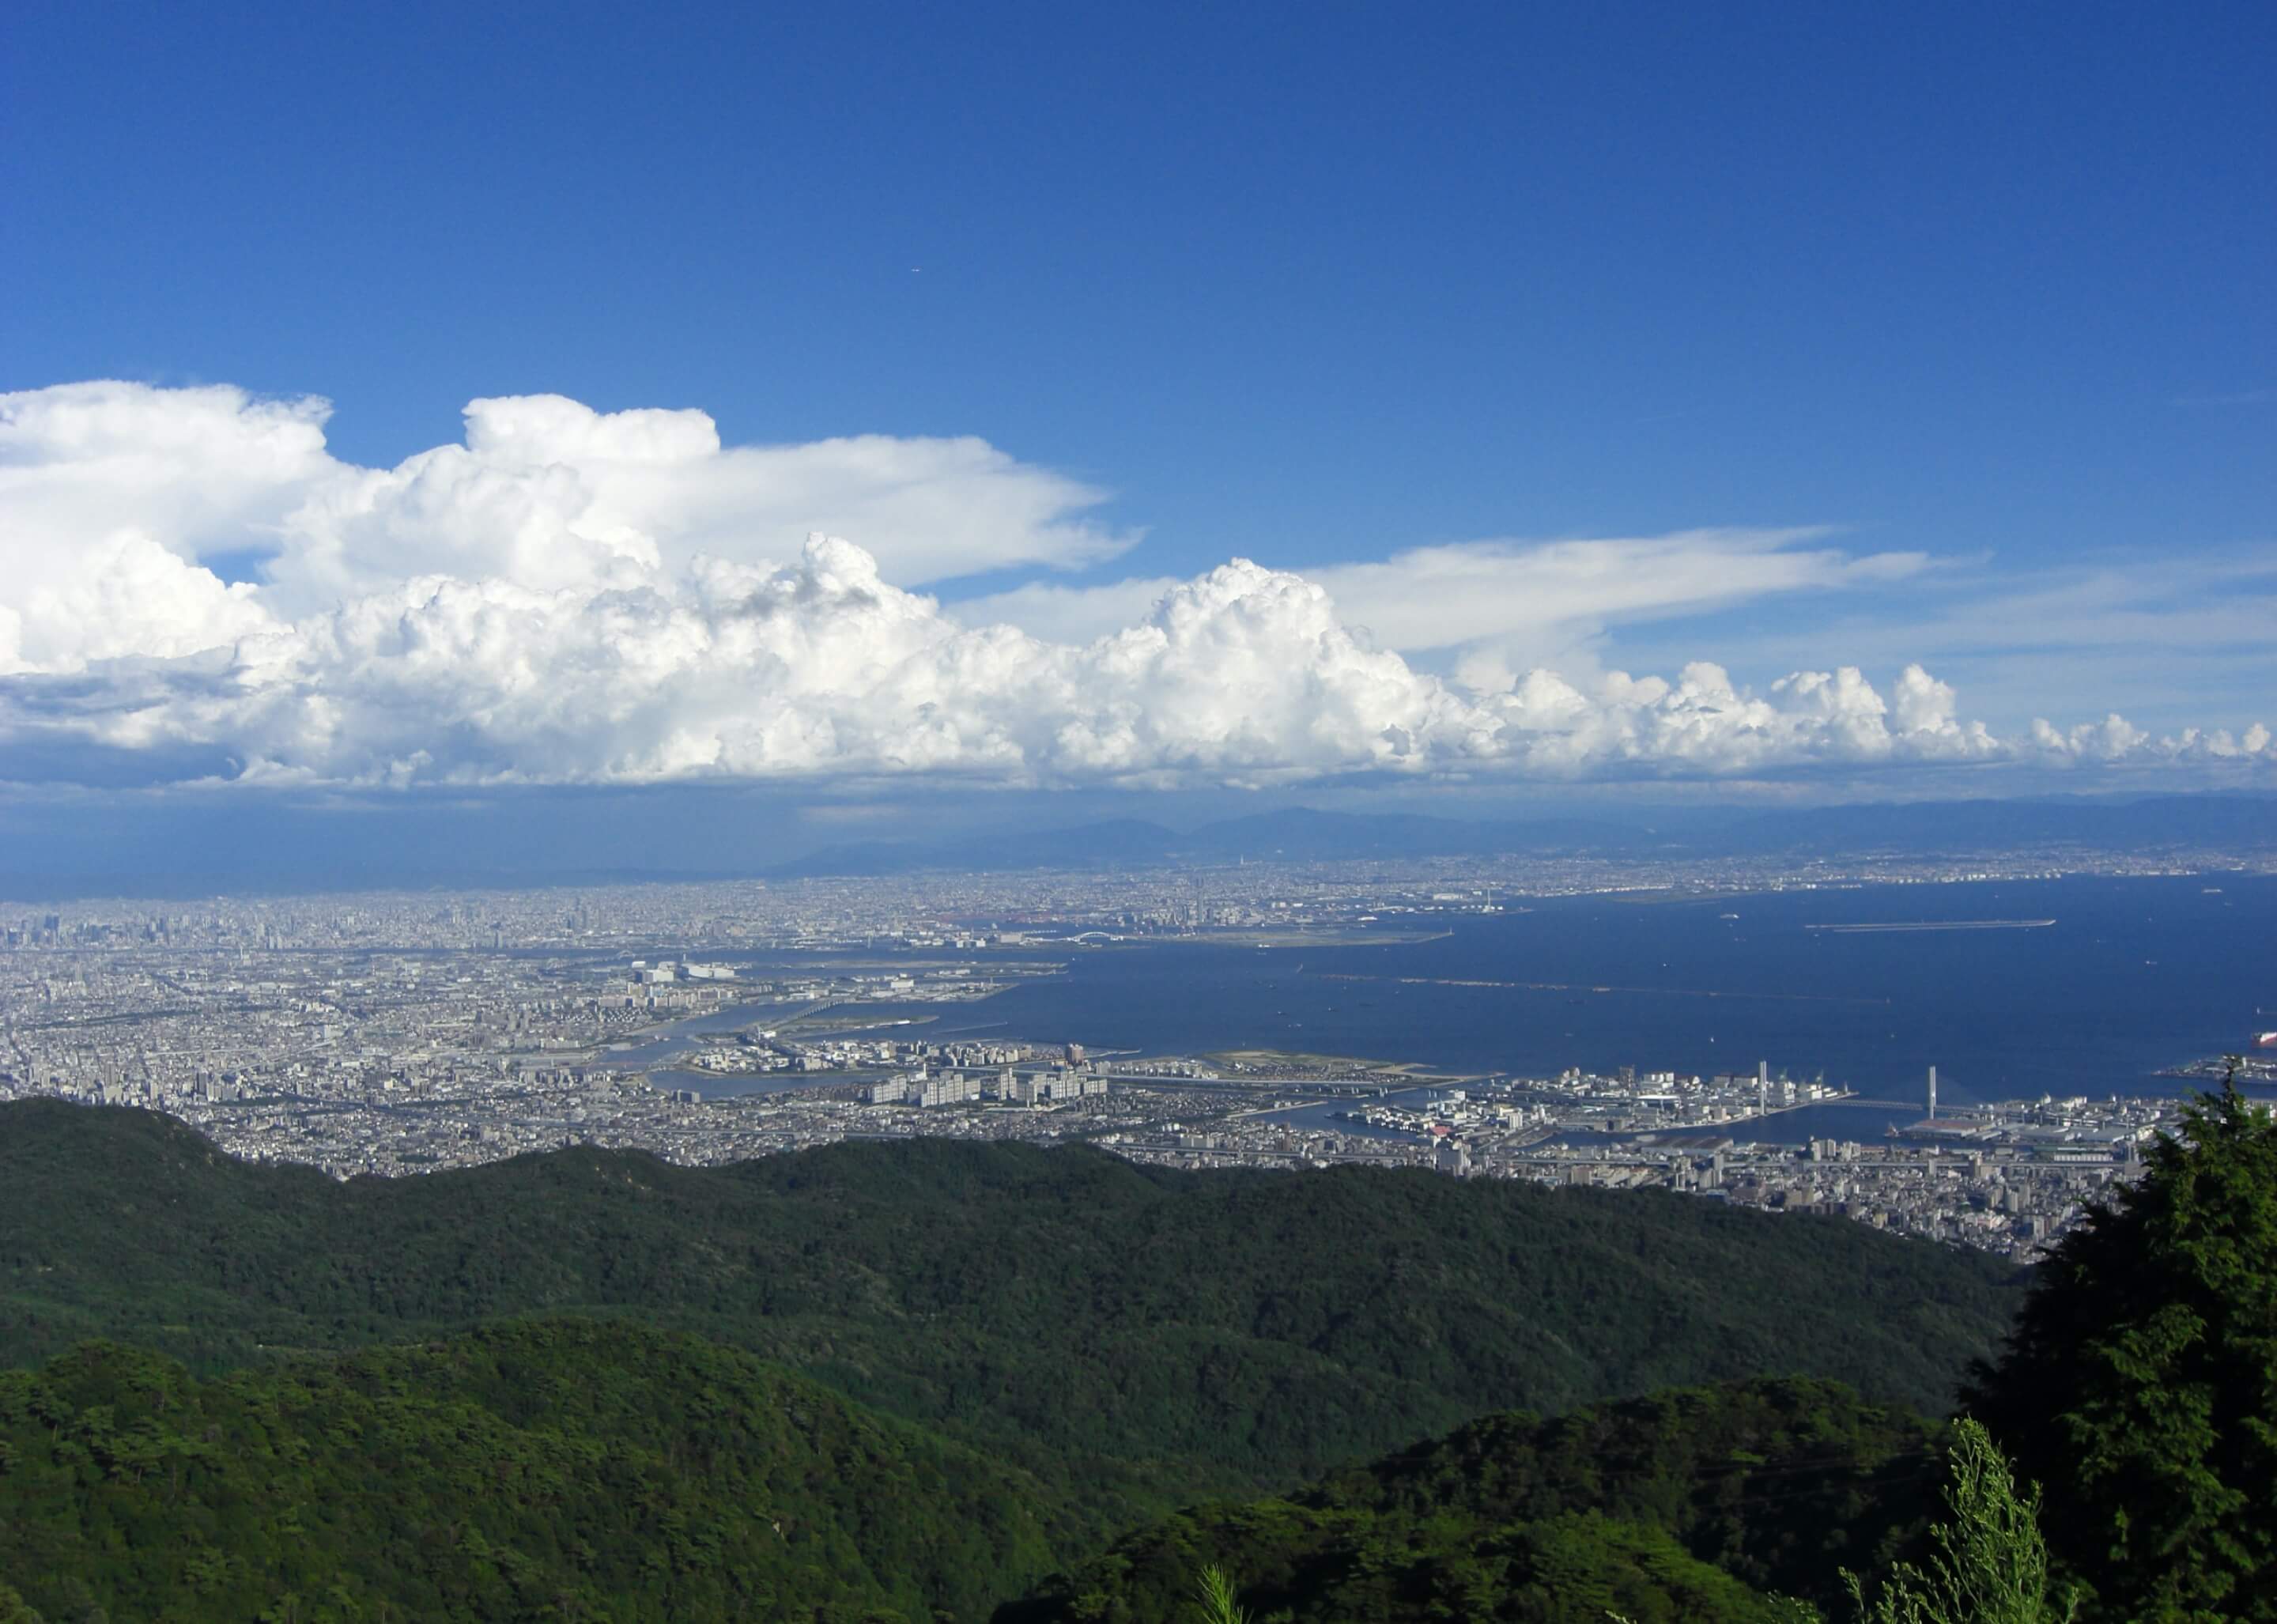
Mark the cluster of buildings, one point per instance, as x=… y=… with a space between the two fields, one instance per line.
x=1023 y=1074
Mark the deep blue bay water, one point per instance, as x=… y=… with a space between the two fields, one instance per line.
x=2135 y=974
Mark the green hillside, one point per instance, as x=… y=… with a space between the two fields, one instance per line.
x=1308 y=1566
x=1147 y=1334
x=544 y=1469
x=1688 y=1505
x=598 y=1470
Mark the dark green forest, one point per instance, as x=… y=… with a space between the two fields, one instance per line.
x=1690 y=1504
x=920 y=1381
x=1147 y=1334
x=550 y=1469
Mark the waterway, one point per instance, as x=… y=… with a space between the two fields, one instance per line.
x=2133 y=974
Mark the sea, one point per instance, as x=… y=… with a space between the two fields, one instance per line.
x=2126 y=976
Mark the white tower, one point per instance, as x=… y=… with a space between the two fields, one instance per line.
x=1932 y=1094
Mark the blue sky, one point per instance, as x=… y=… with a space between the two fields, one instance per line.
x=1959 y=315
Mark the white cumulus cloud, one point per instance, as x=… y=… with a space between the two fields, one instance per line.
x=2116 y=739
x=544 y=493
x=576 y=597
x=1704 y=723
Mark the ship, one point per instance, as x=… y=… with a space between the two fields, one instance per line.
x=2267 y=1040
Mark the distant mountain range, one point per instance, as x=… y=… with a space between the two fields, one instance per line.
x=1299 y=834
x=273 y=850
x=2163 y=823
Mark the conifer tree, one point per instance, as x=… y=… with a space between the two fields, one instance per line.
x=1990 y=1564
x=1214 y=1593
x=2140 y=1383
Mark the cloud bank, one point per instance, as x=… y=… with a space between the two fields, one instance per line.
x=1504 y=602
x=572 y=595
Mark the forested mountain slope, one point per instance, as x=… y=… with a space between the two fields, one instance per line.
x=1687 y=1504
x=545 y=1469
x=1148 y=1334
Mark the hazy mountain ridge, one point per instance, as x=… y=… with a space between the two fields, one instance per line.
x=286 y=849
x=2164 y=823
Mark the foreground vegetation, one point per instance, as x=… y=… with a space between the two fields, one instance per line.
x=543 y=1470
x=2139 y=1386
x=1693 y=1504
x=2138 y=1397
